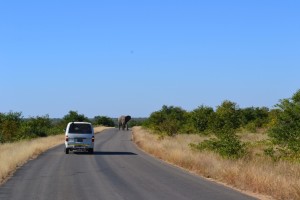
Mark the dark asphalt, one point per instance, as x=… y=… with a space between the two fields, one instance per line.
x=117 y=170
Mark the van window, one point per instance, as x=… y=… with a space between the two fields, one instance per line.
x=80 y=128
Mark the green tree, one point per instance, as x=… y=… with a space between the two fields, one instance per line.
x=37 y=126
x=73 y=116
x=226 y=121
x=227 y=118
x=104 y=121
x=286 y=130
x=10 y=124
x=273 y=117
x=253 y=118
x=202 y=117
x=227 y=147
x=136 y=122
x=169 y=120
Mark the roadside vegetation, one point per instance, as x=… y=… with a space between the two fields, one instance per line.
x=104 y=121
x=14 y=127
x=254 y=149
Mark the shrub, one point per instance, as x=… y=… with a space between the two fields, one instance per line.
x=168 y=120
x=10 y=124
x=37 y=127
x=251 y=127
x=286 y=131
x=224 y=124
x=14 y=127
x=226 y=118
x=73 y=116
x=136 y=122
x=188 y=126
x=273 y=117
x=104 y=121
x=227 y=146
x=201 y=118
x=256 y=117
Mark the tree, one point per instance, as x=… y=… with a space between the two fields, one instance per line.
x=37 y=126
x=10 y=124
x=136 y=122
x=273 y=117
x=227 y=117
x=104 y=121
x=225 y=123
x=169 y=120
x=253 y=118
x=286 y=130
x=73 y=116
x=201 y=118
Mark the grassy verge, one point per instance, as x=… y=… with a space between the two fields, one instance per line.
x=255 y=173
x=14 y=155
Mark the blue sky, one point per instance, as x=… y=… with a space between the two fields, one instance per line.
x=114 y=57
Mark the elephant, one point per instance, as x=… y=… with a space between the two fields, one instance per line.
x=122 y=121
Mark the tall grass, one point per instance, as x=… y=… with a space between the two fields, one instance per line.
x=256 y=174
x=14 y=155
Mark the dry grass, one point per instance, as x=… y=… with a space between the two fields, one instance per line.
x=257 y=175
x=14 y=155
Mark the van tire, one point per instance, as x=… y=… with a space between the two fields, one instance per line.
x=91 y=151
x=67 y=150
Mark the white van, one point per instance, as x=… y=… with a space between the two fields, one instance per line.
x=79 y=137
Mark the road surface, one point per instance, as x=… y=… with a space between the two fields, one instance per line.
x=116 y=171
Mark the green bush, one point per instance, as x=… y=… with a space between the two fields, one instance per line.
x=104 y=121
x=14 y=127
x=188 y=126
x=251 y=127
x=273 y=117
x=37 y=127
x=136 y=122
x=257 y=117
x=228 y=146
x=168 y=120
x=286 y=131
x=227 y=118
x=73 y=116
x=10 y=125
x=201 y=118
x=224 y=123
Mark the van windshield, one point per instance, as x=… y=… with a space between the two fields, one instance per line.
x=80 y=128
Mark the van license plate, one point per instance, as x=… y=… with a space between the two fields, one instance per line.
x=79 y=140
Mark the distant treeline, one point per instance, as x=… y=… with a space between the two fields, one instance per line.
x=222 y=122
x=14 y=127
x=172 y=120
x=282 y=125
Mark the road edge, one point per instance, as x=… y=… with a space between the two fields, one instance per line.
x=246 y=192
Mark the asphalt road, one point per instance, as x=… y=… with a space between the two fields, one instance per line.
x=117 y=170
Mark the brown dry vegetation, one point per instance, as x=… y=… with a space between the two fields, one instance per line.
x=255 y=173
x=14 y=155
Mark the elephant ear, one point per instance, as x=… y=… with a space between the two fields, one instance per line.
x=127 y=118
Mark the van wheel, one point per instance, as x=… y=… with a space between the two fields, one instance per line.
x=91 y=151
x=67 y=150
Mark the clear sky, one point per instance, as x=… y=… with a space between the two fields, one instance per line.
x=113 y=57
